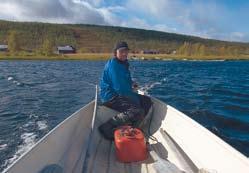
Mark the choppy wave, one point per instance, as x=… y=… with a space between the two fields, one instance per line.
x=14 y=81
x=28 y=140
x=3 y=146
x=42 y=125
x=10 y=78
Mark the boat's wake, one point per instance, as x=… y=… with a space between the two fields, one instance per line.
x=149 y=86
x=42 y=125
x=29 y=139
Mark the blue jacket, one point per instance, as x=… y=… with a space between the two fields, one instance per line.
x=116 y=80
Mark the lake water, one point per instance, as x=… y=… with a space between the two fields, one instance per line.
x=37 y=95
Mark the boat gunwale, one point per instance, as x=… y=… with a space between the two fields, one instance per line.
x=208 y=135
x=197 y=125
x=211 y=135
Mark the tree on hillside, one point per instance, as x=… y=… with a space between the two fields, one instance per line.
x=180 y=50
x=13 y=42
x=196 y=49
x=185 y=49
x=203 y=50
x=188 y=49
x=47 y=47
x=222 y=51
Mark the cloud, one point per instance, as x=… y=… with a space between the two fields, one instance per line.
x=239 y=36
x=208 y=19
x=95 y=3
x=194 y=17
x=58 y=11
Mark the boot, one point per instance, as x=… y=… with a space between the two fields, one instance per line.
x=107 y=129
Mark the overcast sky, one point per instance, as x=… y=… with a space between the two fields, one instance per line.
x=218 y=19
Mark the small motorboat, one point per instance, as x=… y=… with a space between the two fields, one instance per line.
x=76 y=146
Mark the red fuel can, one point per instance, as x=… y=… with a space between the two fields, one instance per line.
x=130 y=144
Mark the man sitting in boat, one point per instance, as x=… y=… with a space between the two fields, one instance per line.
x=117 y=93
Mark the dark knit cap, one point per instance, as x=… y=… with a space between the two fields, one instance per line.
x=121 y=45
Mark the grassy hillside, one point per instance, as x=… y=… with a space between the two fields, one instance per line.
x=100 y=39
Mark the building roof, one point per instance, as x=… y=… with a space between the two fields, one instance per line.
x=3 y=46
x=66 y=48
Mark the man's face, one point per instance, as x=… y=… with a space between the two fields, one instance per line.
x=122 y=54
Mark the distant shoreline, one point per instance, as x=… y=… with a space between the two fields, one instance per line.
x=106 y=56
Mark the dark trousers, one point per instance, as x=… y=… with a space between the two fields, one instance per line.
x=133 y=112
x=130 y=113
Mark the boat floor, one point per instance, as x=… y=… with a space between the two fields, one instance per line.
x=102 y=153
